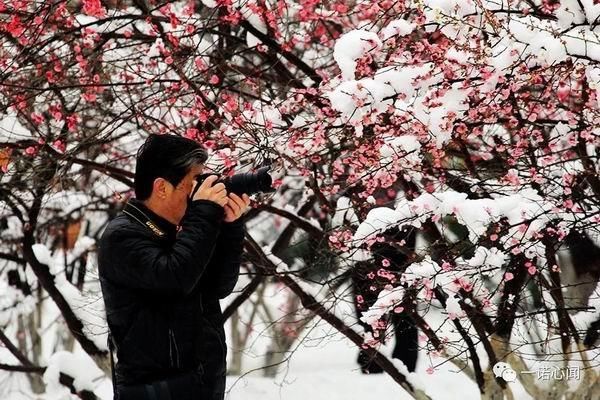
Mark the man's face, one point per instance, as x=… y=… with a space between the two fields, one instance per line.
x=176 y=199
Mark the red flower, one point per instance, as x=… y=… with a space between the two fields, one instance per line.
x=94 y=8
x=15 y=27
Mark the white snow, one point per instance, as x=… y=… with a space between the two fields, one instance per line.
x=209 y=3
x=386 y=300
x=78 y=366
x=351 y=46
x=583 y=319
x=11 y=128
x=475 y=215
x=425 y=269
x=378 y=219
x=87 y=306
x=569 y=13
x=344 y=213
x=397 y=27
x=488 y=260
x=453 y=307
x=279 y=264
x=406 y=146
x=354 y=99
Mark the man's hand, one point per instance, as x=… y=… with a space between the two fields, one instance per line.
x=207 y=191
x=236 y=206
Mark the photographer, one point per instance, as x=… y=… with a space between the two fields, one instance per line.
x=164 y=263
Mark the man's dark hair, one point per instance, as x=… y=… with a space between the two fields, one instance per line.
x=165 y=156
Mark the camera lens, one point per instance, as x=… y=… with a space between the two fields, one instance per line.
x=248 y=182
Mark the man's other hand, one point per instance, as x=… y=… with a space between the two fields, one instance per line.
x=236 y=206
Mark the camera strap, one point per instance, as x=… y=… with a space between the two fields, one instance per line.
x=137 y=214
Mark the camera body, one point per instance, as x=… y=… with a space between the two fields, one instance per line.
x=247 y=182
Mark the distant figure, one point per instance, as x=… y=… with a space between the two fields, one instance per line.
x=405 y=331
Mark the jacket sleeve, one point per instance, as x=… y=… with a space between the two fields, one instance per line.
x=223 y=269
x=143 y=263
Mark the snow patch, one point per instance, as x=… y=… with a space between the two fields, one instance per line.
x=350 y=47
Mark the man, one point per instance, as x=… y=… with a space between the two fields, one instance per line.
x=164 y=263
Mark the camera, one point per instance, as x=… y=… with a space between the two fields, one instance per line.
x=247 y=182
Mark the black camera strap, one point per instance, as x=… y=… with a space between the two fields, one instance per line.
x=138 y=215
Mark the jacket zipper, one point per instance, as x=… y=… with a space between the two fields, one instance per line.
x=173 y=342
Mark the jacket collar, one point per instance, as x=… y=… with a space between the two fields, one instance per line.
x=145 y=216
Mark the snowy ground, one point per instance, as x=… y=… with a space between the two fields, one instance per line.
x=329 y=371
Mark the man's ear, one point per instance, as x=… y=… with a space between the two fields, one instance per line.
x=161 y=187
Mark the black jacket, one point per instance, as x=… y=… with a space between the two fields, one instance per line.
x=162 y=288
